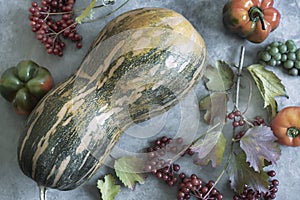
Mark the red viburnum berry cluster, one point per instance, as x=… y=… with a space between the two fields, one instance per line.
x=250 y=194
x=52 y=21
x=165 y=169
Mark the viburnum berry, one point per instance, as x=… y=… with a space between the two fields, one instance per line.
x=161 y=168
x=52 y=21
x=250 y=194
x=237 y=118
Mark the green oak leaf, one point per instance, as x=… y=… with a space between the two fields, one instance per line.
x=259 y=145
x=215 y=105
x=219 y=78
x=108 y=188
x=211 y=148
x=240 y=174
x=128 y=169
x=269 y=85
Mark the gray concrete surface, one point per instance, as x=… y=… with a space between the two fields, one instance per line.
x=18 y=43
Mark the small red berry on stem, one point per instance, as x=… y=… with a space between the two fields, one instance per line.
x=53 y=21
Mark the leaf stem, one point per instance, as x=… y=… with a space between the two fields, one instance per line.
x=249 y=95
x=238 y=82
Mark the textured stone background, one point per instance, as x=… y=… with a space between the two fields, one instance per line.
x=18 y=43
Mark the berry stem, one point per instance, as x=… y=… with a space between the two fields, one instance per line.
x=61 y=31
x=85 y=12
x=223 y=170
x=93 y=20
x=57 y=13
x=205 y=133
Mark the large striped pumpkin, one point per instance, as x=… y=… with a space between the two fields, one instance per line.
x=145 y=57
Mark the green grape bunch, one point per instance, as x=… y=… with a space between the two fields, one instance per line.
x=285 y=54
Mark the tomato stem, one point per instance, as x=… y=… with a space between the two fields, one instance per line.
x=255 y=14
x=293 y=132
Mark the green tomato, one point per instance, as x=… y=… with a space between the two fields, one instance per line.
x=289 y=64
x=293 y=72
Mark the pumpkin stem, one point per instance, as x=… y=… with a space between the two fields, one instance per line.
x=293 y=132
x=255 y=14
x=43 y=192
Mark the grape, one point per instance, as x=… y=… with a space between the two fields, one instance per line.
x=277 y=56
x=282 y=48
x=265 y=56
x=291 y=46
x=273 y=51
x=291 y=56
x=298 y=54
x=268 y=48
x=297 y=64
x=275 y=44
x=293 y=72
x=278 y=62
x=272 y=62
x=289 y=64
x=283 y=57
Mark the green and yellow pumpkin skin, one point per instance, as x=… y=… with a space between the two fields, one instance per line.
x=142 y=58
